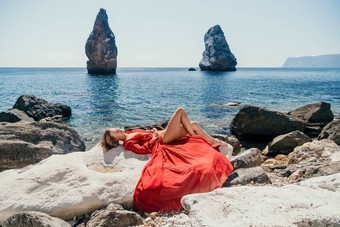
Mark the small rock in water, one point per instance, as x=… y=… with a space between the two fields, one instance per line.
x=233 y=104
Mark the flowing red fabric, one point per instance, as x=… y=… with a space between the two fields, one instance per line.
x=185 y=166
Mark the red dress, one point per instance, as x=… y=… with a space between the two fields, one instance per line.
x=185 y=166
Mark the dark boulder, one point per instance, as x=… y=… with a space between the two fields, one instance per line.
x=22 y=144
x=247 y=159
x=317 y=115
x=246 y=176
x=132 y=127
x=159 y=125
x=331 y=131
x=322 y=170
x=101 y=48
x=256 y=123
x=191 y=69
x=34 y=219
x=287 y=170
x=114 y=215
x=39 y=109
x=14 y=115
x=217 y=55
x=285 y=144
x=314 y=113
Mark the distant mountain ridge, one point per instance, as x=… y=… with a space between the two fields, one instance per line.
x=321 y=61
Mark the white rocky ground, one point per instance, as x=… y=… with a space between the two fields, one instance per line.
x=65 y=186
x=70 y=185
x=313 y=199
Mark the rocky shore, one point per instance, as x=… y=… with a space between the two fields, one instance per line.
x=296 y=175
x=30 y=132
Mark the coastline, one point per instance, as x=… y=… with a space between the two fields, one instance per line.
x=144 y=95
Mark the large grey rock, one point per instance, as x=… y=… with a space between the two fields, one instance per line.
x=14 y=115
x=317 y=116
x=22 y=144
x=247 y=159
x=314 y=113
x=316 y=198
x=39 y=109
x=101 y=47
x=315 y=151
x=284 y=144
x=34 y=219
x=73 y=184
x=257 y=123
x=322 y=170
x=287 y=170
x=114 y=215
x=245 y=176
x=331 y=131
x=217 y=55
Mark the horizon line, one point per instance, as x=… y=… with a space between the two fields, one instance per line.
x=165 y=67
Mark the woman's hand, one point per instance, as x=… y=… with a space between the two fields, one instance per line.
x=155 y=135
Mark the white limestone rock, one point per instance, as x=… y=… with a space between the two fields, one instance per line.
x=315 y=151
x=316 y=198
x=68 y=185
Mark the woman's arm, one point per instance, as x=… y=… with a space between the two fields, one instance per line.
x=146 y=148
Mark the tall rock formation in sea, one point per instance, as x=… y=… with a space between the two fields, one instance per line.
x=217 y=55
x=101 y=47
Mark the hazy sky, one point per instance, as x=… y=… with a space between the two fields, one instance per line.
x=158 y=33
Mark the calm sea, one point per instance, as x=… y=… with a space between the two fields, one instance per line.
x=145 y=95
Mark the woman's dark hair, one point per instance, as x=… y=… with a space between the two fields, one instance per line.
x=108 y=142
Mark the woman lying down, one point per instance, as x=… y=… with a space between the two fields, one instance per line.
x=184 y=160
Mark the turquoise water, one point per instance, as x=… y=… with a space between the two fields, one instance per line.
x=144 y=95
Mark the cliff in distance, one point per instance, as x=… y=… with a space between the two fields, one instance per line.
x=321 y=61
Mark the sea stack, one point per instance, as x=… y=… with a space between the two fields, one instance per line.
x=101 y=48
x=217 y=55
